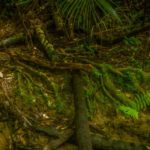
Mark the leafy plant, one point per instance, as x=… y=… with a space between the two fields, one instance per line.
x=132 y=41
x=142 y=100
x=114 y=83
x=85 y=13
x=128 y=111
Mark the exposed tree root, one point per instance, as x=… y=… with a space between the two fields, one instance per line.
x=106 y=42
x=56 y=16
x=63 y=138
x=53 y=66
x=15 y=39
x=113 y=81
x=47 y=47
x=98 y=142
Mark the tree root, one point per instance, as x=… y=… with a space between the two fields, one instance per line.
x=108 y=77
x=107 y=42
x=38 y=74
x=15 y=39
x=53 y=66
x=56 y=17
x=47 y=47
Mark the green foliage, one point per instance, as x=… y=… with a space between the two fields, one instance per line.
x=128 y=111
x=58 y=104
x=96 y=73
x=128 y=81
x=28 y=90
x=85 y=13
x=82 y=49
x=142 y=100
x=90 y=89
x=112 y=81
x=132 y=41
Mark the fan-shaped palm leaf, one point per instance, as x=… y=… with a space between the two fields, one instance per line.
x=85 y=13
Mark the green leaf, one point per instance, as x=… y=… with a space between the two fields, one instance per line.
x=128 y=111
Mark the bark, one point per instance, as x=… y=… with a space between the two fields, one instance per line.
x=54 y=144
x=81 y=120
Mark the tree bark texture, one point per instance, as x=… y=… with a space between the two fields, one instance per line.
x=82 y=130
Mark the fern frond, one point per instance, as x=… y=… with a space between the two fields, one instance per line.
x=128 y=111
x=142 y=100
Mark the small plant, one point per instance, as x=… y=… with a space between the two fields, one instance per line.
x=128 y=111
x=132 y=41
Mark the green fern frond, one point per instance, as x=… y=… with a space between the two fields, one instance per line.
x=142 y=100
x=128 y=111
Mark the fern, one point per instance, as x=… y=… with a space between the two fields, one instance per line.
x=128 y=111
x=142 y=100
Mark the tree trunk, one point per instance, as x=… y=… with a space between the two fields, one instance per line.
x=81 y=121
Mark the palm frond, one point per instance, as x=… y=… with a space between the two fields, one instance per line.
x=85 y=13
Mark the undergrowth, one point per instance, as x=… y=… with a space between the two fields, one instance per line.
x=123 y=81
x=123 y=87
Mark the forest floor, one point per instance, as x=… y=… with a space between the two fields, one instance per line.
x=26 y=122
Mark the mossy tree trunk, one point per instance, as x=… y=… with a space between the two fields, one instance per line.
x=83 y=136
